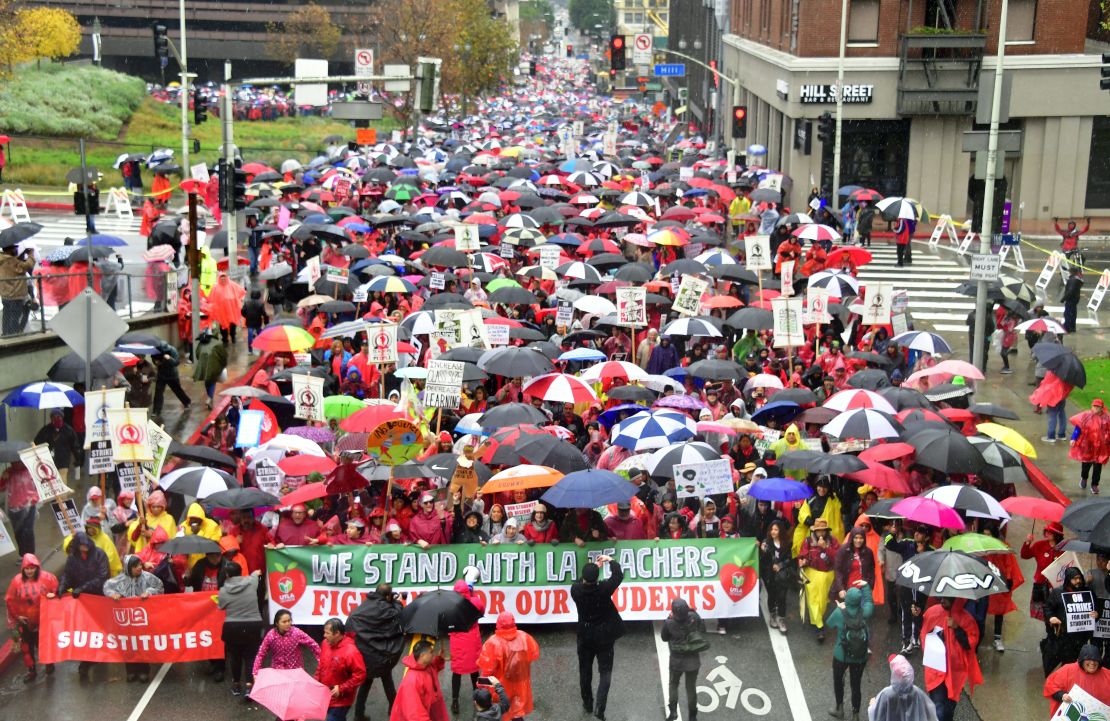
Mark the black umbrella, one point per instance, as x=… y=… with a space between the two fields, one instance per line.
x=18 y=233
x=950 y=574
x=198 y=481
x=632 y=393
x=579 y=336
x=511 y=414
x=444 y=465
x=801 y=396
x=527 y=334
x=881 y=508
x=84 y=252
x=378 y=472
x=90 y=176
x=869 y=379
x=447 y=301
x=765 y=195
x=945 y=449
x=219 y=240
x=140 y=338
x=444 y=257
x=635 y=273
x=515 y=362
x=1061 y=361
x=183 y=545
x=990 y=409
x=241 y=498
x=1084 y=515
x=513 y=295
x=734 y=272
x=684 y=265
x=750 y=318
x=547 y=450
x=716 y=370
x=546 y=347
x=71 y=367
x=439 y=612
x=337 y=306
x=868 y=357
x=201 y=454
x=465 y=354
x=902 y=398
x=9 y=450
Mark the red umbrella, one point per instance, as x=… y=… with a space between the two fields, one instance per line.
x=366 y=420
x=680 y=213
x=886 y=452
x=957 y=415
x=303 y=464
x=865 y=194
x=304 y=494
x=919 y=414
x=256 y=169
x=880 y=476
x=345 y=478
x=859 y=256
x=1031 y=507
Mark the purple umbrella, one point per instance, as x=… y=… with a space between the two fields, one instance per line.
x=680 y=401
x=779 y=489
x=317 y=434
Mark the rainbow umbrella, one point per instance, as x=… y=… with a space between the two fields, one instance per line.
x=283 y=339
x=669 y=236
x=390 y=284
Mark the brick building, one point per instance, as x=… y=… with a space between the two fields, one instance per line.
x=916 y=73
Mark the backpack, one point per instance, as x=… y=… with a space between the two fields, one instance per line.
x=854 y=637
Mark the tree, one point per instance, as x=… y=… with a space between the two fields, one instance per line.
x=585 y=14
x=36 y=33
x=541 y=10
x=484 y=52
x=308 y=32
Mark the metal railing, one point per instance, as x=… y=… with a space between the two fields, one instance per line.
x=130 y=293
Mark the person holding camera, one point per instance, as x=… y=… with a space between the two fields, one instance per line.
x=599 y=627
x=14 y=268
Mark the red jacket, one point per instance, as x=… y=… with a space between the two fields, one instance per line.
x=341 y=665
x=419 y=697
x=466 y=646
x=963 y=666
x=551 y=533
x=24 y=597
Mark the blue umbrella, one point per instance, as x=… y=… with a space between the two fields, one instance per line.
x=653 y=429
x=780 y=411
x=44 y=395
x=582 y=354
x=779 y=489
x=611 y=416
x=110 y=241
x=589 y=489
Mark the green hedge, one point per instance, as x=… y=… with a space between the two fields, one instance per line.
x=68 y=101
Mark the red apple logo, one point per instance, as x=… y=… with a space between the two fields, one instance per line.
x=287 y=584
x=738 y=581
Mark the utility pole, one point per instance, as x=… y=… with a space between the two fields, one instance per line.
x=839 y=103
x=88 y=266
x=193 y=255
x=978 y=347
x=232 y=224
x=183 y=61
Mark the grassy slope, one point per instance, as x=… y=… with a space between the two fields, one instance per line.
x=42 y=162
x=1098 y=383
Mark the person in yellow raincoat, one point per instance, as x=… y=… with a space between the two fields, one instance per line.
x=739 y=206
x=816 y=559
x=791 y=441
x=824 y=505
x=197 y=523
x=103 y=541
x=140 y=530
x=209 y=272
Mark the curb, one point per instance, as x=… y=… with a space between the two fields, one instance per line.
x=1045 y=485
x=45 y=205
x=9 y=652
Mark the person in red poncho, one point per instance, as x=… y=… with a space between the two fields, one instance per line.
x=466 y=646
x=1000 y=604
x=24 y=601
x=509 y=654
x=1090 y=443
x=960 y=634
x=419 y=697
x=1086 y=673
x=1044 y=552
x=225 y=303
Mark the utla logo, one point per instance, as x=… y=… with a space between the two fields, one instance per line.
x=130 y=617
x=129 y=434
x=737 y=581
x=287 y=584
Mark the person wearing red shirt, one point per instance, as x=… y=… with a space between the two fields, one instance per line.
x=296 y=530
x=420 y=695
x=24 y=601
x=1043 y=553
x=624 y=526
x=341 y=668
x=540 y=528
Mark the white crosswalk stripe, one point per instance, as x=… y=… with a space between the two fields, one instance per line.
x=55 y=231
x=931 y=283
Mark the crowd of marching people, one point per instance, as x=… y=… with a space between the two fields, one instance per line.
x=854 y=452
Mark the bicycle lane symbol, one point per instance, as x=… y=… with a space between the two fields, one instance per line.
x=727 y=686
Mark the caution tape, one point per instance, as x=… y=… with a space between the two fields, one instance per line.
x=1069 y=261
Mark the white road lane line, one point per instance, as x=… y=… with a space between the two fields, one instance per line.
x=795 y=696
x=149 y=693
x=663 y=654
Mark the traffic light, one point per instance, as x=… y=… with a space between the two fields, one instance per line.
x=223 y=175
x=200 y=108
x=739 y=121
x=532 y=68
x=570 y=50
x=826 y=128
x=616 y=52
x=161 y=41
x=1104 y=81
x=238 y=186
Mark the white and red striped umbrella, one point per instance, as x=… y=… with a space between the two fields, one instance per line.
x=560 y=388
x=816 y=231
x=612 y=370
x=847 y=400
x=1041 y=325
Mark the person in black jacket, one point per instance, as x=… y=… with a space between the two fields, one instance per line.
x=468 y=527
x=1065 y=645
x=254 y=317
x=376 y=624
x=1070 y=297
x=684 y=633
x=85 y=571
x=864 y=221
x=62 y=440
x=599 y=627
x=777 y=568
x=167 y=376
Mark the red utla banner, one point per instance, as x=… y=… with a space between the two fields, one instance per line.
x=159 y=629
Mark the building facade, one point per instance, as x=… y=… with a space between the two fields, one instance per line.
x=918 y=79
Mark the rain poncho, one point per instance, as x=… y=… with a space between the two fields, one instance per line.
x=208 y=529
x=24 y=596
x=105 y=543
x=963 y=666
x=1092 y=437
x=467 y=645
x=1064 y=678
x=128 y=585
x=817 y=506
x=163 y=520
x=509 y=654
x=792 y=441
x=225 y=302
x=901 y=700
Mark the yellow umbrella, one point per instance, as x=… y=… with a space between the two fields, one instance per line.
x=513 y=152
x=523 y=476
x=1008 y=436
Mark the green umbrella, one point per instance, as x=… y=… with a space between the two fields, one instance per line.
x=341 y=406
x=402 y=193
x=975 y=543
x=501 y=283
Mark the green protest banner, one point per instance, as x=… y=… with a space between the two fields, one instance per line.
x=719 y=578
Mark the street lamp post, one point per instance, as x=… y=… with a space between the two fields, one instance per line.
x=464 y=52
x=839 y=100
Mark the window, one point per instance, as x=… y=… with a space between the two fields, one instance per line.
x=863 y=21
x=1020 y=21
x=1098 y=171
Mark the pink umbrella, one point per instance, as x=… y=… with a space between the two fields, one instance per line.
x=950 y=367
x=713 y=427
x=291 y=694
x=929 y=512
